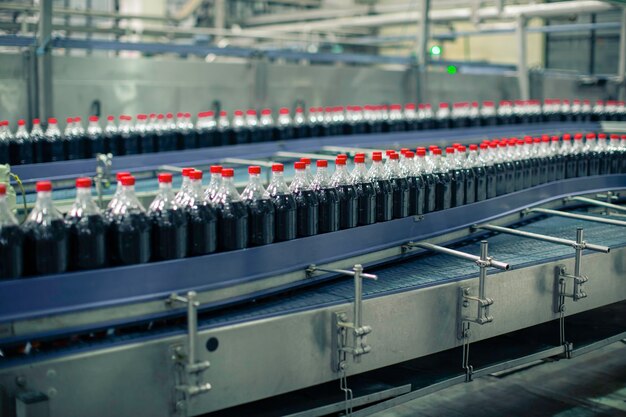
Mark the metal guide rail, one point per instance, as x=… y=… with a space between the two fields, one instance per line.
x=100 y=299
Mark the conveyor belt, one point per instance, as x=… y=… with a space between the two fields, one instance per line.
x=430 y=270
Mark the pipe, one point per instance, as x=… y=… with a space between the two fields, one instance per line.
x=522 y=68
x=436 y=248
x=597 y=203
x=577 y=216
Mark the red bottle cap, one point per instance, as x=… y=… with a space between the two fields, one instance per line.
x=187 y=171
x=601 y=135
x=266 y=112
x=228 y=173
x=299 y=165
x=83 y=182
x=409 y=154
x=142 y=117
x=359 y=159
x=394 y=156
x=121 y=175
x=483 y=146
x=197 y=174
x=567 y=136
x=377 y=157
x=449 y=150
x=3 y=189
x=187 y=115
x=160 y=116
x=256 y=170
x=456 y=145
x=377 y=153
x=52 y=120
x=578 y=136
x=437 y=151
x=473 y=147
x=128 y=180
x=321 y=163
x=77 y=119
x=554 y=138
x=278 y=168
x=21 y=122
x=93 y=118
x=443 y=105
x=238 y=113
x=165 y=177
x=69 y=120
x=251 y=112
x=462 y=148
x=215 y=169
x=342 y=156
x=283 y=110
x=111 y=118
x=409 y=106
x=614 y=136
x=307 y=161
x=299 y=110
x=340 y=161
x=421 y=152
x=36 y=121
x=591 y=136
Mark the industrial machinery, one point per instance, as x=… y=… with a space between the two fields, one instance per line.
x=349 y=322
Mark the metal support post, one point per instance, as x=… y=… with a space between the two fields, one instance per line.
x=422 y=52
x=597 y=203
x=522 y=65
x=576 y=216
x=621 y=68
x=44 y=60
x=561 y=275
x=342 y=328
x=189 y=383
x=465 y=295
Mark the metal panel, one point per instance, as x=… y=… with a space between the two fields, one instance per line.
x=293 y=351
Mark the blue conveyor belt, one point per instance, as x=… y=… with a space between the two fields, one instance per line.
x=431 y=270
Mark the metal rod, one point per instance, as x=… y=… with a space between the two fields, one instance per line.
x=579 y=251
x=192 y=326
x=578 y=216
x=314 y=268
x=522 y=68
x=482 y=278
x=435 y=248
x=358 y=313
x=545 y=238
x=597 y=203
x=44 y=61
x=621 y=71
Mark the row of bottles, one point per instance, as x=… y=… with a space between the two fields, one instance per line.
x=198 y=221
x=165 y=133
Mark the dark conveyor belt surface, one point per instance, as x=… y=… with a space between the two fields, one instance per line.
x=432 y=269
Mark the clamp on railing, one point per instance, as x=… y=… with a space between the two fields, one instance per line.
x=190 y=383
x=465 y=295
x=343 y=329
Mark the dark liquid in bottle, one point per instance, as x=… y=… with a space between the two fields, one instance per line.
x=166 y=141
x=582 y=165
x=72 y=147
x=500 y=179
x=492 y=181
x=306 y=213
x=328 y=199
x=559 y=167
x=45 y=248
x=348 y=206
x=87 y=242
x=93 y=145
x=207 y=138
x=233 y=225
x=416 y=195
x=470 y=185
x=130 y=143
x=570 y=166
x=201 y=229
x=130 y=239
x=443 y=191
x=527 y=168
x=519 y=175
x=430 y=193
x=401 y=196
x=285 y=206
x=458 y=188
x=147 y=142
x=481 y=183
x=366 y=202
x=169 y=234
x=261 y=216
x=11 y=261
x=384 y=200
x=509 y=177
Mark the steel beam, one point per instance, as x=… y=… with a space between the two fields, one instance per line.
x=621 y=72
x=44 y=60
x=522 y=68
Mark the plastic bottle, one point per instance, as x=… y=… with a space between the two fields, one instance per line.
x=415 y=181
x=261 y=213
x=169 y=223
x=118 y=192
x=467 y=165
x=457 y=177
x=284 y=125
x=328 y=199
x=266 y=126
x=443 y=181
x=518 y=169
x=184 y=186
x=128 y=139
x=615 y=155
x=71 y=142
x=475 y=170
x=5 y=154
x=224 y=130
x=567 y=152
x=348 y=199
x=313 y=123
x=185 y=133
x=395 y=122
x=232 y=214
x=81 y=136
x=307 y=170
x=11 y=240
x=597 y=112
x=53 y=143
x=111 y=134
x=241 y=134
x=284 y=205
x=425 y=116
x=504 y=113
x=589 y=150
x=252 y=126
x=580 y=157
x=129 y=228
x=410 y=117
x=166 y=133
x=94 y=140
x=526 y=157
x=206 y=130
x=559 y=160
x=20 y=147
x=488 y=115
x=442 y=118
x=145 y=137
x=424 y=168
x=45 y=236
x=203 y=226
x=494 y=148
x=460 y=114
x=306 y=202
x=300 y=127
x=215 y=183
x=366 y=193
x=86 y=229
x=400 y=186
x=485 y=159
x=602 y=149
x=37 y=139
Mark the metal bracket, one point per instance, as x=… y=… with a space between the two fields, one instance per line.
x=104 y=162
x=190 y=382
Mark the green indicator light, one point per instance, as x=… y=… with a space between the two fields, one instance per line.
x=451 y=69
x=435 y=50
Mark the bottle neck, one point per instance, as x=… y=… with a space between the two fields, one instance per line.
x=44 y=208
x=300 y=181
x=359 y=174
x=377 y=171
x=128 y=201
x=84 y=204
x=322 y=178
x=254 y=190
x=228 y=191
x=341 y=176
x=6 y=216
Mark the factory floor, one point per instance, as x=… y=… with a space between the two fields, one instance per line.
x=593 y=384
